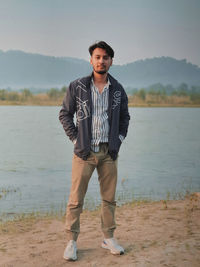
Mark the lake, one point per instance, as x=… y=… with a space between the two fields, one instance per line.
x=159 y=159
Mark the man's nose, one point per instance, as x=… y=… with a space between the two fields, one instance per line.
x=101 y=60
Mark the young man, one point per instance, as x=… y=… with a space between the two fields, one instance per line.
x=101 y=107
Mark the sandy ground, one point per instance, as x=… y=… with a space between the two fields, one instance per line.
x=164 y=233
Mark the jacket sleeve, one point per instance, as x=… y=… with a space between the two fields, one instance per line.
x=124 y=114
x=66 y=115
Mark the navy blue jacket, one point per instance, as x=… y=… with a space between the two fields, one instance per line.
x=78 y=101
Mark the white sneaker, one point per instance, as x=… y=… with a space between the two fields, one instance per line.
x=111 y=244
x=70 y=251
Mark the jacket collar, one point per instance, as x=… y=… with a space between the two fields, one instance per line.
x=87 y=81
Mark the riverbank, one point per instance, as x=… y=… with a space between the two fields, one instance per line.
x=136 y=105
x=134 y=101
x=163 y=233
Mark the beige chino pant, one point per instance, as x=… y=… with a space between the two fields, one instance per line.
x=81 y=173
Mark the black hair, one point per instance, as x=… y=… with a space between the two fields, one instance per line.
x=102 y=45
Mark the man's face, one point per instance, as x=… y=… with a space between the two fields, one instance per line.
x=100 y=61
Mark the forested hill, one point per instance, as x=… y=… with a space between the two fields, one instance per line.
x=164 y=70
x=19 y=70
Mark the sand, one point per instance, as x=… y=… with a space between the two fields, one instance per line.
x=163 y=233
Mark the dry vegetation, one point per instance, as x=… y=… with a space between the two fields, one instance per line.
x=134 y=101
x=36 y=100
x=139 y=98
x=160 y=101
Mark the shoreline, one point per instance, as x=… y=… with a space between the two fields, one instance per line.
x=157 y=233
x=58 y=103
x=129 y=105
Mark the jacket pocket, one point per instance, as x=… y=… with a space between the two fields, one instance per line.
x=115 y=145
x=119 y=144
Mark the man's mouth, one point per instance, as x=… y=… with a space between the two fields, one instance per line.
x=101 y=66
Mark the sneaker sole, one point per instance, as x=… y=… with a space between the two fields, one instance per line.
x=70 y=259
x=112 y=252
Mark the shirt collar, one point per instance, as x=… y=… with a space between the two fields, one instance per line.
x=105 y=86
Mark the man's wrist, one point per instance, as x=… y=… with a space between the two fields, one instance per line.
x=74 y=141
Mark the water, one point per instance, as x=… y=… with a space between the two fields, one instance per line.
x=160 y=158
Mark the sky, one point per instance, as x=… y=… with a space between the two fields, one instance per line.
x=136 y=29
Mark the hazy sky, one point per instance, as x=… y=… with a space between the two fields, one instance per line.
x=136 y=29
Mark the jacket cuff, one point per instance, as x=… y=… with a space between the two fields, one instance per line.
x=121 y=137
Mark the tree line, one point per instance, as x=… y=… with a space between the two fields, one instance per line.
x=164 y=91
x=26 y=94
x=156 y=93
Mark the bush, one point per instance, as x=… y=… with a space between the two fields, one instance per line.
x=2 y=94
x=12 y=96
x=53 y=93
x=141 y=94
x=63 y=89
x=26 y=93
x=195 y=98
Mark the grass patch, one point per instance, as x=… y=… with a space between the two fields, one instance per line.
x=24 y=222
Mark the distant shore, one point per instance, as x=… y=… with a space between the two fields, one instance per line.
x=161 y=233
x=43 y=100
x=55 y=104
x=140 y=98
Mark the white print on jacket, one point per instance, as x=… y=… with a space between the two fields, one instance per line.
x=116 y=99
x=81 y=86
x=83 y=111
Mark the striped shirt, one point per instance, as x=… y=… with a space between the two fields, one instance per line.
x=100 y=124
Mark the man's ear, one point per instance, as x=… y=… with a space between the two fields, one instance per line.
x=111 y=62
x=91 y=60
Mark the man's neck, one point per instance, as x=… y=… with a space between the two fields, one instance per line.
x=100 y=78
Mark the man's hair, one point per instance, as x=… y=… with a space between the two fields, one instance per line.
x=102 y=45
